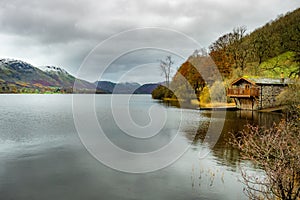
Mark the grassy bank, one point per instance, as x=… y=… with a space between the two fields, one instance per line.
x=195 y=102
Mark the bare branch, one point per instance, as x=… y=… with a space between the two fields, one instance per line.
x=277 y=152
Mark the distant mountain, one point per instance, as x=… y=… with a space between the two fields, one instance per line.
x=63 y=78
x=17 y=76
x=126 y=88
x=14 y=71
x=147 y=88
x=105 y=86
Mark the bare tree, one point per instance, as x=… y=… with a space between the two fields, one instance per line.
x=200 y=52
x=277 y=152
x=165 y=66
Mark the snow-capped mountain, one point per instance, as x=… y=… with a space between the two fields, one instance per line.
x=53 y=69
x=16 y=64
x=22 y=74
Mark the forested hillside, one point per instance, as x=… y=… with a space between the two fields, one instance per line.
x=267 y=51
x=240 y=50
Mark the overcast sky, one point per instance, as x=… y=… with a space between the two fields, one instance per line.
x=63 y=32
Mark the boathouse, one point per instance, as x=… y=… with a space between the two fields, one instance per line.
x=256 y=93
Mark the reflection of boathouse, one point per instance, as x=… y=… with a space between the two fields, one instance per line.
x=256 y=93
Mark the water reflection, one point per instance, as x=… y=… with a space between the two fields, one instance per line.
x=235 y=121
x=41 y=156
x=179 y=104
x=220 y=168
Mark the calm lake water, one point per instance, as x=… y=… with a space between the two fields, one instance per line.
x=42 y=157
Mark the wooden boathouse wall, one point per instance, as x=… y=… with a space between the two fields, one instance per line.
x=255 y=94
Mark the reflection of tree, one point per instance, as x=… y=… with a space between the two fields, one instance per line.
x=224 y=153
x=234 y=122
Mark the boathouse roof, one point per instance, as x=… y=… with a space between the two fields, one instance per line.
x=261 y=81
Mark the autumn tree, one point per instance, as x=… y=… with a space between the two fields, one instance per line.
x=219 y=51
x=230 y=51
x=217 y=92
x=194 y=74
x=187 y=81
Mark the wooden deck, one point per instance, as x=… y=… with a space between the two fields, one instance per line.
x=232 y=108
x=242 y=92
x=218 y=106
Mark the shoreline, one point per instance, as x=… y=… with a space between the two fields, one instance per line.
x=206 y=106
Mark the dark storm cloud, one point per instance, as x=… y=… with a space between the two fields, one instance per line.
x=63 y=32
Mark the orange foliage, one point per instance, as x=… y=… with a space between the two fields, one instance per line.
x=223 y=61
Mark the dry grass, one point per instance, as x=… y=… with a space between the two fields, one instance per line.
x=216 y=105
x=205 y=105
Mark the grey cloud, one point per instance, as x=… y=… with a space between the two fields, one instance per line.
x=48 y=25
x=63 y=32
x=131 y=49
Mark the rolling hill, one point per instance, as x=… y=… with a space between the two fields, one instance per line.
x=126 y=88
x=17 y=76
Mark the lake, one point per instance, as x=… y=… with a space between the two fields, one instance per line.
x=42 y=156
